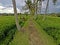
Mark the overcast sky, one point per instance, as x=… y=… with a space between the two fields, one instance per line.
x=6 y=6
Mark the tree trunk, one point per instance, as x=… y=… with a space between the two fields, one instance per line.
x=15 y=14
x=40 y=3
x=35 y=2
x=46 y=9
x=34 y=6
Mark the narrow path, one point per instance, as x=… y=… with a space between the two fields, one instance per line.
x=36 y=38
x=31 y=34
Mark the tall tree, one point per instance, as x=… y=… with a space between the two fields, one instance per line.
x=15 y=14
x=40 y=6
x=46 y=9
x=54 y=2
x=33 y=7
x=36 y=6
x=30 y=6
x=34 y=2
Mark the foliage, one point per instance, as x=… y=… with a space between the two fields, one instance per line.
x=8 y=28
x=21 y=38
x=51 y=25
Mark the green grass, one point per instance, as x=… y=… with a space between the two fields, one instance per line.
x=51 y=25
x=8 y=27
x=20 y=38
x=6 y=24
x=8 y=38
x=46 y=39
x=49 y=30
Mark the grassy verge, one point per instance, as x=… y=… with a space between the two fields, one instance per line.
x=51 y=25
x=9 y=28
x=48 y=40
x=20 y=38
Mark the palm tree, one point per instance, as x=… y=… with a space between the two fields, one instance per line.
x=46 y=9
x=15 y=14
x=54 y=2
x=35 y=10
x=30 y=6
x=40 y=5
x=35 y=6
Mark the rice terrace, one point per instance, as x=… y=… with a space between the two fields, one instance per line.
x=29 y=22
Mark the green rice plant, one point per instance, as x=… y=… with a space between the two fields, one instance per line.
x=8 y=27
x=51 y=25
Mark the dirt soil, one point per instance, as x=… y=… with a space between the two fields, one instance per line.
x=34 y=38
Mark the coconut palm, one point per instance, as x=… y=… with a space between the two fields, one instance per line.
x=36 y=6
x=40 y=5
x=30 y=6
x=54 y=2
x=33 y=7
x=35 y=10
x=15 y=14
x=46 y=9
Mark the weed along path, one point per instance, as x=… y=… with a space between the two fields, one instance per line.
x=32 y=34
x=37 y=36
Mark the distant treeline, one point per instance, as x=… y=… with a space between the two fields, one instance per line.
x=55 y=14
x=52 y=14
x=5 y=14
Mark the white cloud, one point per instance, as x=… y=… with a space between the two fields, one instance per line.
x=7 y=10
x=1 y=7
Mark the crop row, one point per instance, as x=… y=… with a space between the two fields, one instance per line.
x=51 y=25
x=8 y=27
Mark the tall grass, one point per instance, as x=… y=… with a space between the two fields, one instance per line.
x=51 y=25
